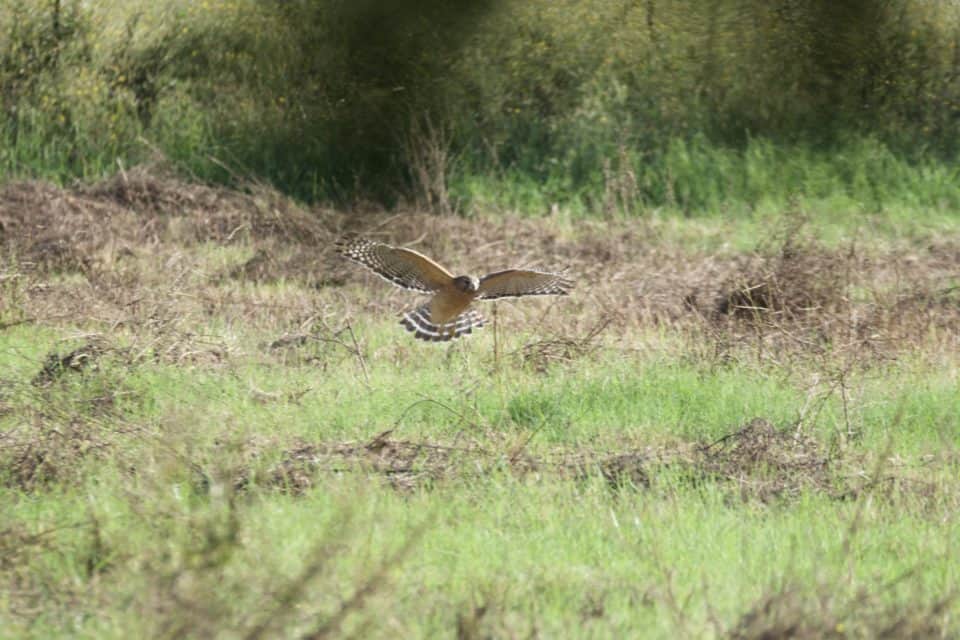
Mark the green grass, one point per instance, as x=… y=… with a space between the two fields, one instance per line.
x=855 y=181
x=127 y=553
x=437 y=392
x=517 y=106
x=544 y=557
x=194 y=481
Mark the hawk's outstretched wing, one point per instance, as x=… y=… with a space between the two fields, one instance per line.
x=523 y=282
x=403 y=267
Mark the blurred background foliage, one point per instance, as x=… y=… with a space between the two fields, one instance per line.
x=593 y=105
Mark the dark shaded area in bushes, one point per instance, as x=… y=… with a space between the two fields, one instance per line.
x=435 y=102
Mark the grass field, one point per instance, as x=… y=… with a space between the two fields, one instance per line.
x=212 y=426
x=742 y=424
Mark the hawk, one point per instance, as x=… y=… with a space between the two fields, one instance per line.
x=448 y=314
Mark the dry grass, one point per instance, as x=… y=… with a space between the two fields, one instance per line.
x=407 y=465
x=787 y=613
x=766 y=463
x=156 y=259
x=118 y=254
x=129 y=233
x=754 y=463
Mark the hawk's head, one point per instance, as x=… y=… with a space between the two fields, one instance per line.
x=467 y=284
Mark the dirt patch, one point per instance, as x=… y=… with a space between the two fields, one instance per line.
x=766 y=463
x=50 y=229
x=800 y=280
x=406 y=465
x=757 y=462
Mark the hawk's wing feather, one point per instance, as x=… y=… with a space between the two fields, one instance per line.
x=403 y=267
x=523 y=282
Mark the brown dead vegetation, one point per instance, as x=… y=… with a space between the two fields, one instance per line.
x=56 y=450
x=562 y=348
x=798 y=280
x=132 y=240
x=133 y=254
x=766 y=462
x=785 y=613
x=92 y=229
x=407 y=465
x=754 y=463
x=77 y=360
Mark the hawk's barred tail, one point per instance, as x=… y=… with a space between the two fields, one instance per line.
x=418 y=321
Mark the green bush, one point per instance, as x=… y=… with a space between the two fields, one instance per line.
x=519 y=104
